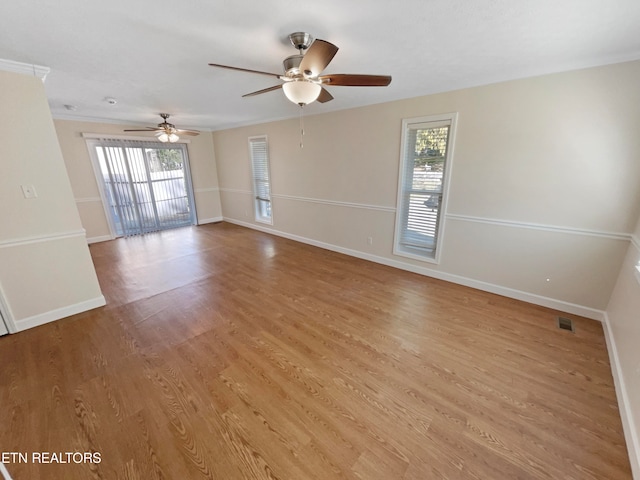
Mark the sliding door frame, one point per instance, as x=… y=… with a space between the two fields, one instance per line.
x=96 y=137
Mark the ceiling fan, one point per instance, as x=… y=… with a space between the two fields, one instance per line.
x=165 y=131
x=302 y=82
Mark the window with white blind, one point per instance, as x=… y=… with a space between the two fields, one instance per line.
x=425 y=161
x=258 y=148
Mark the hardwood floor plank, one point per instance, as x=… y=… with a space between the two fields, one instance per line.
x=226 y=353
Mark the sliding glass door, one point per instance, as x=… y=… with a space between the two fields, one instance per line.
x=146 y=185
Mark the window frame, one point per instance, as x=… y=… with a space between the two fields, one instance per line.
x=415 y=253
x=257 y=205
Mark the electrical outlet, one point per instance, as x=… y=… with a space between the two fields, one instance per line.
x=369 y=240
x=29 y=191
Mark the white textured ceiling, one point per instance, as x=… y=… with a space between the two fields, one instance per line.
x=152 y=55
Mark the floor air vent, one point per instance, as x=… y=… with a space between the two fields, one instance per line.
x=566 y=324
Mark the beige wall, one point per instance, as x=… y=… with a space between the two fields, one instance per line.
x=46 y=271
x=545 y=183
x=623 y=317
x=85 y=189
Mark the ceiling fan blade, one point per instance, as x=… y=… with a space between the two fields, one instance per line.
x=349 y=80
x=318 y=56
x=188 y=132
x=325 y=96
x=264 y=90
x=148 y=129
x=245 y=70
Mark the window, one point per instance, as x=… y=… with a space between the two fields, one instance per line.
x=425 y=160
x=146 y=186
x=261 y=185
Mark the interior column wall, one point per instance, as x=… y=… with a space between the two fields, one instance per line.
x=46 y=271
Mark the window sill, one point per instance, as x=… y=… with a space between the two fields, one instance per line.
x=415 y=256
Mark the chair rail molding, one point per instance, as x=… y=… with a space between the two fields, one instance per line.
x=16 y=242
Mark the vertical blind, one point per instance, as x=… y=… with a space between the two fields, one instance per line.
x=146 y=184
x=261 y=186
x=424 y=163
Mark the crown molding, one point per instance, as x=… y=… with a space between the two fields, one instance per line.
x=88 y=119
x=25 y=68
x=125 y=123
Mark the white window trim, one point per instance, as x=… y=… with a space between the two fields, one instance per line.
x=256 y=217
x=141 y=138
x=451 y=118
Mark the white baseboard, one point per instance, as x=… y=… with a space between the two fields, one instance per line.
x=553 y=303
x=624 y=404
x=106 y=238
x=209 y=220
x=103 y=238
x=57 y=314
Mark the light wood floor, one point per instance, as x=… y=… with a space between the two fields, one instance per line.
x=225 y=353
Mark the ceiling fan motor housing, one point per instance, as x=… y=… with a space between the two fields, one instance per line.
x=301 y=40
x=292 y=65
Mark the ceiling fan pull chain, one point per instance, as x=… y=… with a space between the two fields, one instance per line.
x=301 y=126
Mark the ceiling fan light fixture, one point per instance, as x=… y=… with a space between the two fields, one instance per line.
x=301 y=92
x=165 y=131
x=165 y=137
x=303 y=82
